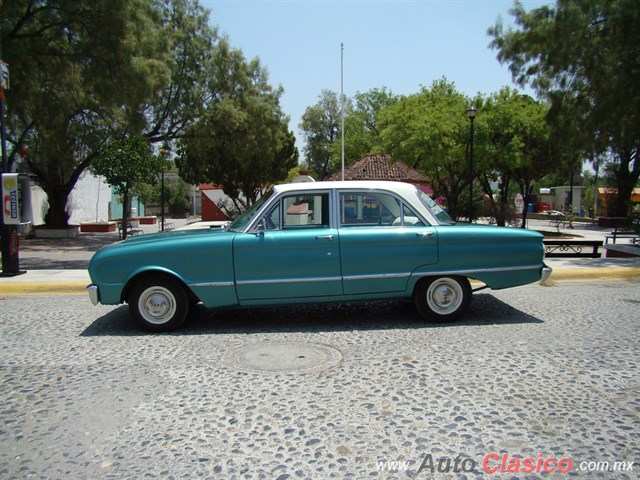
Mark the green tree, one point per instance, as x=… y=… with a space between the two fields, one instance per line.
x=362 y=132
x=514 y=148
x=176 y=198
x=193 y=51
x=78 y=67
x=320 y=128
x=85 y=73
x=242 y=142
x=430 y=131
x=126 y=165
x=584 y=57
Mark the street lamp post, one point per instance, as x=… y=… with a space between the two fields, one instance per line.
x=164 y=152
x=162 y=202
x=471 y=113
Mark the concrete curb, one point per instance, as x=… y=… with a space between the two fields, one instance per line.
x=18 y=287
x=577 y=274
x=43 y=288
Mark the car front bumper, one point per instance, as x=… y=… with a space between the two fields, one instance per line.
x=546 y=273
x=94 y=294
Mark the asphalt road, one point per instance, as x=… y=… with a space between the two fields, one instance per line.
x=533 y=378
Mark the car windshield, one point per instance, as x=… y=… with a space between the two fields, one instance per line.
x=442 y=216
x=241 y=223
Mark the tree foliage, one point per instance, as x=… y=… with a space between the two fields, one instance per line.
x=430 y=131
x=362 y=130
x=193 y=51
x=127 y=164
x=513 y=148
x=584 y=57
x=242 y=141
x=321 y=129
x=77 y=68
x=87 y=72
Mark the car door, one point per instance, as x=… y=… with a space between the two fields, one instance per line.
x=294 y=255
x=382 y=241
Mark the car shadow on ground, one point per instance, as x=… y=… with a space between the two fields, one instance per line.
x=485 y=309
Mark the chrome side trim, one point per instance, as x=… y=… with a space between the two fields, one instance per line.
x=212 y=284
x=480 y=270
x=94 y=294
x=546 y=271
x=376 y=277
x=289 y=280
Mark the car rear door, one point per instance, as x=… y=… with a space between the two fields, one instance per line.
x=382 y=241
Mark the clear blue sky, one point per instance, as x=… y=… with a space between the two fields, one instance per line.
x=398 y=44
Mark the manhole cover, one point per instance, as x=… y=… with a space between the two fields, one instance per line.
x=283 y=357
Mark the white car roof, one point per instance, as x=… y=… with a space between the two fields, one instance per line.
x=399 y=187
x=405 y=190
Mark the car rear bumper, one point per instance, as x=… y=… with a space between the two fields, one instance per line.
x=546 y=273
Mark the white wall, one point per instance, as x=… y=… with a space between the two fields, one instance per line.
x=88 y=202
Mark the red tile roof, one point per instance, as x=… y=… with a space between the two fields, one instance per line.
x=381 y=167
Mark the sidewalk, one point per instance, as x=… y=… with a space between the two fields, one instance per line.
x=60 y=266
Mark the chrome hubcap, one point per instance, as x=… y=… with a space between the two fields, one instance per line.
x=157 y=305
x=444 y=296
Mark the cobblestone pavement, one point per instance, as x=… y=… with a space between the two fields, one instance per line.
x=530 y=372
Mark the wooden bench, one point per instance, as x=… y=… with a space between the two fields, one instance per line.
x=572 y=248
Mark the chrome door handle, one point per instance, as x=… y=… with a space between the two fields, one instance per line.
x=325 y=237
x=425 y=234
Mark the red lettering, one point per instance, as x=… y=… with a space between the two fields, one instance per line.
x=485 y=462
x=529 y=465
x=525 y=465
x=567 y=465
x=547 y=468
x=513 y=466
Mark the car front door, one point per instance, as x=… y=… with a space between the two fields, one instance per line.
x=293 y=255
x=382 y=241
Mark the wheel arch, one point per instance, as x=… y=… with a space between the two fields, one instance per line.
x=149 y=272
x=418 y=279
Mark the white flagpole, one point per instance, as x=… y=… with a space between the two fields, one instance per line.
x=342 y=101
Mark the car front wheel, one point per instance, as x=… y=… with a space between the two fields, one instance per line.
x=158 y=303
x=442 y=299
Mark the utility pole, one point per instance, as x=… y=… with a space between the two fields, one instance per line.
x=342 y=102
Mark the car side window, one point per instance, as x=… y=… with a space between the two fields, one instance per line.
x=409 y=218
x=272 y=218
x=299 y=211
x=365 y=209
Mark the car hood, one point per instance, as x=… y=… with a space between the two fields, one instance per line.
x=174 y=235
x=149 y=244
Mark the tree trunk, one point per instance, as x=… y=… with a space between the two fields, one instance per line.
x=58 y=187
x=126 y=210
x=627 y=175
x=57 y=215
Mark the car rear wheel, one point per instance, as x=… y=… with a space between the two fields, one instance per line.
x=158 y=303
x=442 y=299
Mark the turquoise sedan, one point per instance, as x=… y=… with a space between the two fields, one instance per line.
x=317 y=242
